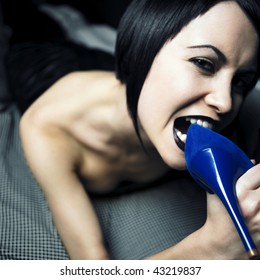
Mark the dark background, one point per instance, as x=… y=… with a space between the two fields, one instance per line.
x=27 y=23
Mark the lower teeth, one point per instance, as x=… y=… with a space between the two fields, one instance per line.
x=182 y=136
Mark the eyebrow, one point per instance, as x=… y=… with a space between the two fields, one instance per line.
x=220 y=54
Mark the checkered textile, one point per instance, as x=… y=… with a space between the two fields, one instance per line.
x=27 y=231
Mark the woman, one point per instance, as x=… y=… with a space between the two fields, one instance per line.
x=176 y=64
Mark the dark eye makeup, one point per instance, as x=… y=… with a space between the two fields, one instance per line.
x=204 y=64
x=244 y=83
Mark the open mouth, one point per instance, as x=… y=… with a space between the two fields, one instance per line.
x=182 y=124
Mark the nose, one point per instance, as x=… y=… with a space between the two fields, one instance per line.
x=220 y=97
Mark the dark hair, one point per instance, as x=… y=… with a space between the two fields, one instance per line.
x=146 y=26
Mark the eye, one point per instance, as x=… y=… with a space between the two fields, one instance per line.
x=204 y=64
x=243 y=84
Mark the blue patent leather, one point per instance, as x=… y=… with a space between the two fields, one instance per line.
x=216 y=163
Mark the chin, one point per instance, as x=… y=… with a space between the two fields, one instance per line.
x=176 y=161
x=172 y=155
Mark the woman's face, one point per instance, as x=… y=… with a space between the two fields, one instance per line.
x=199 y=76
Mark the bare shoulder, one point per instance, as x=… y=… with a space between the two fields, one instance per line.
x=61 y=113
x=73 y=80
x=68 y=98
x=80 y=81
x=44 y=123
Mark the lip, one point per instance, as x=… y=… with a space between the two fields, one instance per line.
x=181 y=125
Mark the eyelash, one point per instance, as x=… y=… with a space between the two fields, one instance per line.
x=204 y=64
x=209 y=67
x=245 y=87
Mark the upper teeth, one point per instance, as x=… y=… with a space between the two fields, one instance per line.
x=200 y=122
x=203 y=123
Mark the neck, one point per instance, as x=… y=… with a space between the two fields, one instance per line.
x=125 y=128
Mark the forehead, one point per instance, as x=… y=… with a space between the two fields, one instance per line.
x=225 y=26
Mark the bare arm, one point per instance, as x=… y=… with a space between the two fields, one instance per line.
x=52 y=156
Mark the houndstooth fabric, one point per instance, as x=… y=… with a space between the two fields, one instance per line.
x=135 y=224
x=27 y=231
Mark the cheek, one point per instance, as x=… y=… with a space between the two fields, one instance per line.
x=166 y=85
x=156 y=103
x=237 y=103
x=166 y=91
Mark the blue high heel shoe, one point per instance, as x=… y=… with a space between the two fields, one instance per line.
x=216 y=163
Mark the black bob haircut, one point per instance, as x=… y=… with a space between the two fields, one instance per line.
x=147 y=25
